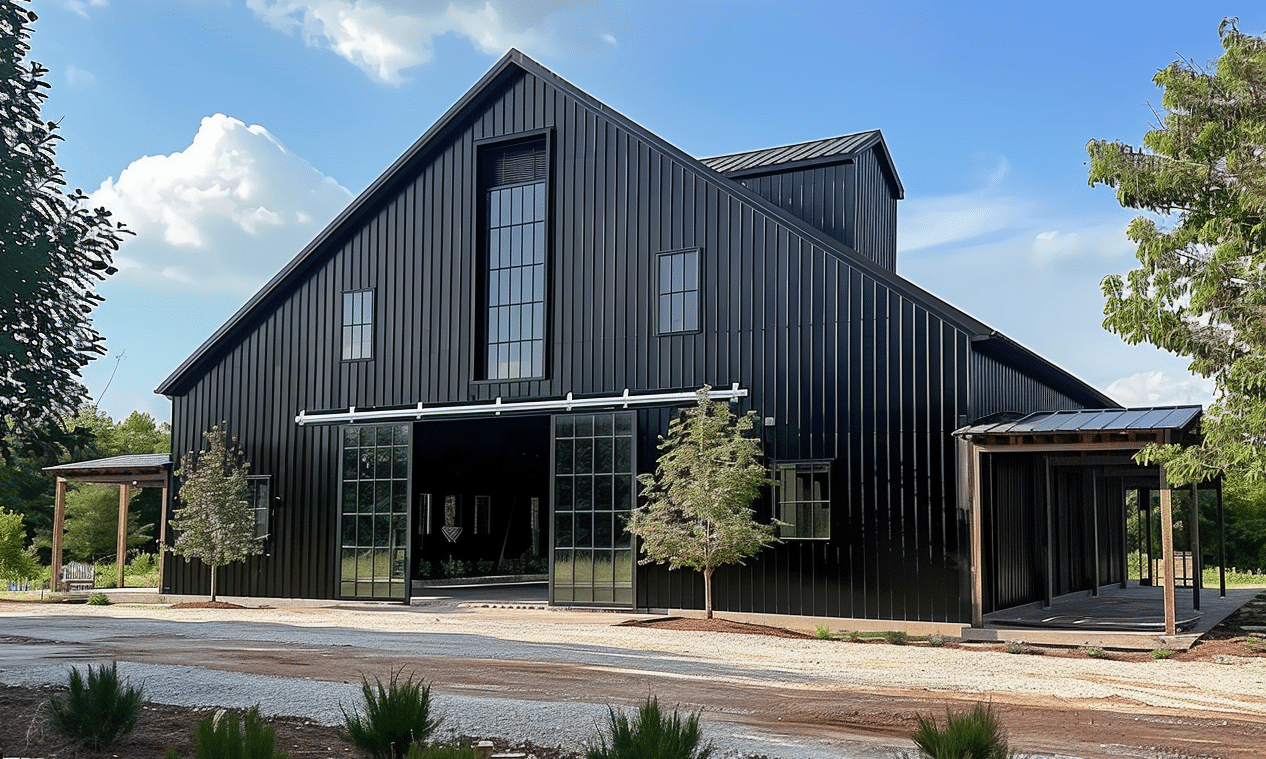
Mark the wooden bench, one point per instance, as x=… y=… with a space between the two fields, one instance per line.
x=78 y=577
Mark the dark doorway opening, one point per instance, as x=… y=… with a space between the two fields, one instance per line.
x=481 y=497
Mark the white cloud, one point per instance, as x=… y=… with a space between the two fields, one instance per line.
x=1084 y=246
x=1156 y=388
x=930 y=222
x=77 y=77
x=385 y=37
x=222 y=215
x=80 y=7
x=609 y=38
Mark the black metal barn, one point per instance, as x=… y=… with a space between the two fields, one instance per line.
x=474 y=360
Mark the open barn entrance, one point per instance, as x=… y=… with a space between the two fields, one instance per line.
x=481 y=497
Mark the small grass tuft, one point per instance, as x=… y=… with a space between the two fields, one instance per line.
x=223 y=736
x=1256 y=643
x=395 y=715
x=1162 y=653
x=853 y=636
x=976 y=734
x=1094 y=652
x=440 y=751
x=825 y=633
x=98 y=709
x=1020 y=647
x=936 y=640
x=651 y=734
x=896 y=637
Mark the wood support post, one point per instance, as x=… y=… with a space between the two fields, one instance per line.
x=977 y=541
x=59 y=527
x=120 y=558
x=162 y=532
x=1167 y=553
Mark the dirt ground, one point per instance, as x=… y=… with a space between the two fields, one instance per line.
x=1037 y=724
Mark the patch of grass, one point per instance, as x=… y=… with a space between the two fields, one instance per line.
x=651 y=734
x=896 y=637
x=98 y=709
x=1094 y=652
x=1020 y=647
x=440 y=751
x=976 y=734
x=1162 y=653
x=825 y=633
x=1255 y=643
x=853 y=636
x=936 y=640
x=395 y=715
x=222 y=736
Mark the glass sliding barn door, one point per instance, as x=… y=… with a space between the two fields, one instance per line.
x=374 y=512
x=594 y=492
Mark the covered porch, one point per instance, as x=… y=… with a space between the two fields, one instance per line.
x=1060 y=513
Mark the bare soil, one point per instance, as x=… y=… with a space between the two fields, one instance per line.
x=1111 y=727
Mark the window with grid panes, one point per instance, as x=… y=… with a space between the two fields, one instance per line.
x=374 y=512
x=515 y=285
x=678 y=292
x=804 y=499
x=358 y=325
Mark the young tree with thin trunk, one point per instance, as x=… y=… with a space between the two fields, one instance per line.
x=698 y=505
x=216 y=524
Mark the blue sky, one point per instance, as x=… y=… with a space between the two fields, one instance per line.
x=227 y=133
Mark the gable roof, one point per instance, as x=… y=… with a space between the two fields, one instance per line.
x=512 y=65
x=803 y=155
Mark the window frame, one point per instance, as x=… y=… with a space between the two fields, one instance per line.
x=345 y=324
x=812 y=466
x=482 y=367
x=256 y=507
x=661 y=293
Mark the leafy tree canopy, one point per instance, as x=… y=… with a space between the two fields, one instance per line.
x=215 y=524
x=92 y=522
x=16 y=561
x=698 y=504
x=1200 y=287
x=53 y=249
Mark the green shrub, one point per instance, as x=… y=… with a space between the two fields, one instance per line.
x=853 y=636
x=220 y=736
x=98 y=599
x=936 y=640
x=976 y=734
x=825 y=633
x=650 y=735
x=396 y=715
x=896 y=637
x=440 y=751
x=95 y=711
x=454 y=568
x=1162 y=653
x=1094 y=652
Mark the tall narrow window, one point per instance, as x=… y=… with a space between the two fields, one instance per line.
x=515 y=268
x=257 y=487
x=804 y=499
x=358 y=324
x=678 y=288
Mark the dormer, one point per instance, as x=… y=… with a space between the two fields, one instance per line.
x=845 y=186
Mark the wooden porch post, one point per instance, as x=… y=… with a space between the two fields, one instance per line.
x=1167 y=552
x=125 y=492
x=162 y=530
x=59 y=525
x=977 y=541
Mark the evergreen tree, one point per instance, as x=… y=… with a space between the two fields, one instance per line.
x=17 y=562
x=698 y=505
x=53 y=249
x=92 y=522
x=215 y=524
x=1200 y=287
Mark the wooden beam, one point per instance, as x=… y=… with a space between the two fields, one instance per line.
x=162 y=535
x=59 y=526
x=120 y=558
x=1167 y=553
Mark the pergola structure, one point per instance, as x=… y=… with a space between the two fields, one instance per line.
x=150 y=470
x=1092 y=447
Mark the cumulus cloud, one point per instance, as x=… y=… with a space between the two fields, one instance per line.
x=1156 y=388
x=223 y=214
x=385 y=37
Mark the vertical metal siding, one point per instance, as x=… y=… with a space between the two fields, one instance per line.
x=850 y=370
x=997 y=387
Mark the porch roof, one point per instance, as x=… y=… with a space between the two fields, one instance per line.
x=143 y=470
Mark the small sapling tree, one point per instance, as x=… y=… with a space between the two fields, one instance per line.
x=698 y=504
x=17 y=562
x=216 y=523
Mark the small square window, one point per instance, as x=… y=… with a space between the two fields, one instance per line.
x=677 y=292
x=804 y=500
x=358 y=325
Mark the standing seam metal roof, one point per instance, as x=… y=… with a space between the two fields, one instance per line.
x=843 y=145
x=1106 y=420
